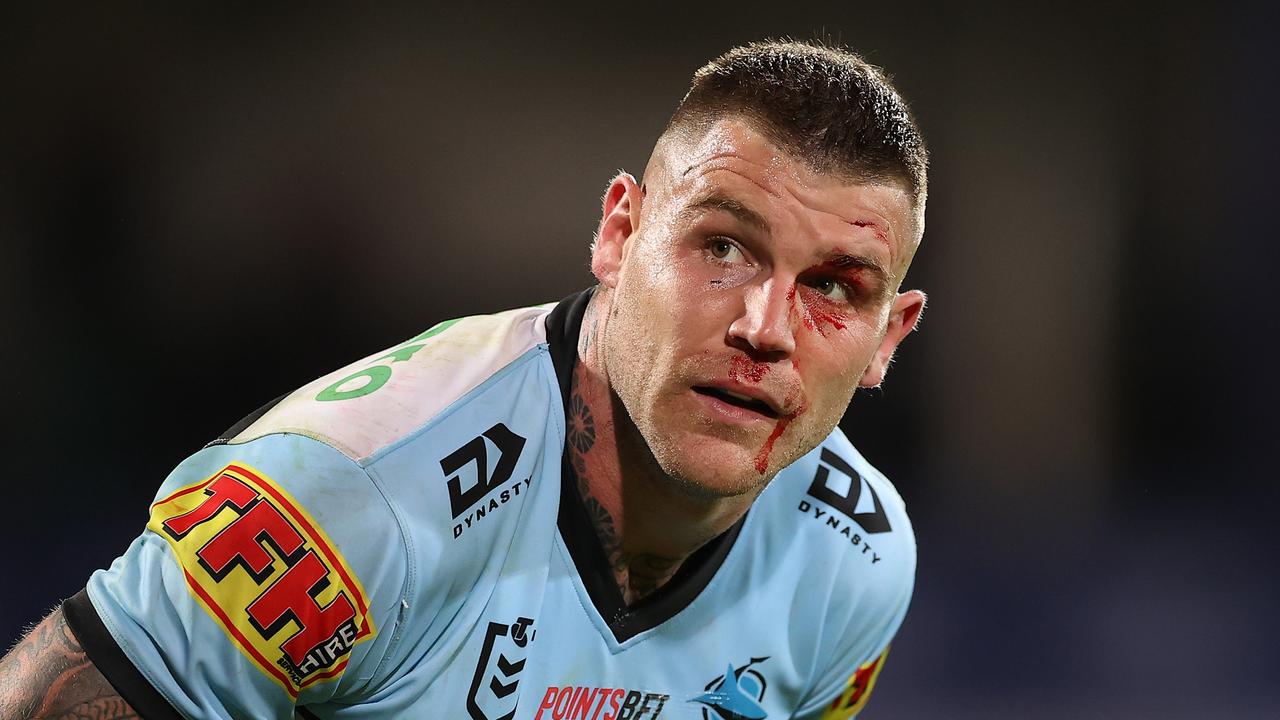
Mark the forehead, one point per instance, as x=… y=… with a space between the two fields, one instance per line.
x=732 y=159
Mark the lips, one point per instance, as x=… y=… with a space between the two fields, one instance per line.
x=738 y=399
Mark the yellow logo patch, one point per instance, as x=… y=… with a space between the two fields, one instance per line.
x=856 y=693
x=259 y=564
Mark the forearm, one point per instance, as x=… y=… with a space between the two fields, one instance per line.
x=48 y=675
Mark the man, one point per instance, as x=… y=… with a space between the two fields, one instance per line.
x=632 y=505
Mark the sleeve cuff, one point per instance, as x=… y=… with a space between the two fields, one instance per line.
x=111 y=661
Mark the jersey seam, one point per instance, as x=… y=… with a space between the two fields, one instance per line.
x=110 y=622
x=524 y=357
x=588 y=608
x=405 y=540
x=411 y=572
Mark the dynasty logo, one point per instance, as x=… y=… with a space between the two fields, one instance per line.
x=469 y=503
x=846 y=492
x=738 y=694
x=502 y=658
x=265 y=571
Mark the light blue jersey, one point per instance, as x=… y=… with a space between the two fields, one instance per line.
x=397 y=539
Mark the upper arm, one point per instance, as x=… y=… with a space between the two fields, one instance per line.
x=270 y=575
x=850 y=699
x=48 y=675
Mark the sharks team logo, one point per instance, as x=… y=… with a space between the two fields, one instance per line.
x=736 y=695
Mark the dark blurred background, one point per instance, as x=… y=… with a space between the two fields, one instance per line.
x=203 y=208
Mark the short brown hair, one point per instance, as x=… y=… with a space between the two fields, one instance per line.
x=825 y=105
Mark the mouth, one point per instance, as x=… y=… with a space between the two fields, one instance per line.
x=737 y=400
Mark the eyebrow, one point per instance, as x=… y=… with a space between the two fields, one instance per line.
x=735 y=208
x=716 y=202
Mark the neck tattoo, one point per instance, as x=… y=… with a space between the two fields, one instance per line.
x=637 y=574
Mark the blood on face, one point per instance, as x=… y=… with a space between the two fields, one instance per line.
x=743 y=369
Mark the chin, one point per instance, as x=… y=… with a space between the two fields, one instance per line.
x=711 y=468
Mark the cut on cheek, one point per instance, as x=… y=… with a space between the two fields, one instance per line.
x=815 y=312
x=824 y=316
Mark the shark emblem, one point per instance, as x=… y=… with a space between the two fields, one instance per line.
x=736 y=695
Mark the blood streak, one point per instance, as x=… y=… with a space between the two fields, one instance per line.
x=762 y=457
x=742 y=369
x=805 y=318
x=822 y=316
x=814 y=316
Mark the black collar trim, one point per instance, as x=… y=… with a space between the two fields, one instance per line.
x=563 y=325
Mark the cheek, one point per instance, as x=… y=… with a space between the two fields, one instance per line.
x=818 y=314
x=830 y=369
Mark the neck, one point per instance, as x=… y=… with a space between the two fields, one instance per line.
x=647 y=523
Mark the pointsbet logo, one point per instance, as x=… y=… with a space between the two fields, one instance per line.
x=574 y=702
x=270 y=577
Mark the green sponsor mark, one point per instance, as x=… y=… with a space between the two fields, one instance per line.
x=368 y=380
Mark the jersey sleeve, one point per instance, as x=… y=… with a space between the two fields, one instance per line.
x=270 y=575
x=875 y=613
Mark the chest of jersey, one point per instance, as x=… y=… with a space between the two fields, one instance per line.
x=541 y=650
x=506 y=620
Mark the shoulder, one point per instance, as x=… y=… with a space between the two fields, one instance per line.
x=377 y=401
x=250 y=531
x=848 y=515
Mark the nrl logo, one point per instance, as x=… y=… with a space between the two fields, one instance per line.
x=502 y=659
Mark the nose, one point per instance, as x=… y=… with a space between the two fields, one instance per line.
x=765 y=323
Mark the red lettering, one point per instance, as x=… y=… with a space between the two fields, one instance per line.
x=604 y=694
x=290 y=597
x=582 y=705
x=613 y=703
x=242 y=539
x=223 y=491
x=562 y=703
x=548 y=702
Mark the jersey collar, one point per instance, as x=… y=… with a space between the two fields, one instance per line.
x=563 y=325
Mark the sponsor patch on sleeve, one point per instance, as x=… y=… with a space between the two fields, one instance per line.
x=267 y=574
x=856 y=693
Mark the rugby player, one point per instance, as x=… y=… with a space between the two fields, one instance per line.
x=629 y=505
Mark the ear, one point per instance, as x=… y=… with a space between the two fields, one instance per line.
x=903 y=318
x=619 y=220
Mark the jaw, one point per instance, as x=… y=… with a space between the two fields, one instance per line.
x=707 y=459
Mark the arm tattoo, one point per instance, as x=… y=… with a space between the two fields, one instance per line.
x=48 y=675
